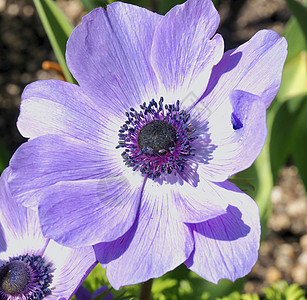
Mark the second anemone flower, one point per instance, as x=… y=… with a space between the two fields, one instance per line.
x=135 y=159
x=33 y=267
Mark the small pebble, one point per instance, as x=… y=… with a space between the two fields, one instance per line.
x=273 y=274
x=302 y=259
x=303 y=242
x=297 y=207
x=279 y=222
x=299 y=275
x=277 y=195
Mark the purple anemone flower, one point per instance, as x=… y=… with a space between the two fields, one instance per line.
x=33 y=267
x=135 y=159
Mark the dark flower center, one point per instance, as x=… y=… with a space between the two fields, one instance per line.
x=157 y=136
x=157 y=139
x=25 y=277
x=14 y=277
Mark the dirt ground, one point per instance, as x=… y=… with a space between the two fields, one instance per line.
x=24 y=47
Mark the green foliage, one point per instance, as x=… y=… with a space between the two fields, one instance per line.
x=4 y=157
x=282 y=291
x=58 y=29
x=289 y=136
x=238 y=296
x=299 y=10
x=289 y=128
x=277 y=291
x=89 y=5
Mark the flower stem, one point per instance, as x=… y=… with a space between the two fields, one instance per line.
x=146 y=290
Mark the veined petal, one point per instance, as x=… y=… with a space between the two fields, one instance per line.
x=227 y=246
x=156 y=244
x=19 y=227
x=110 y=58
x=254 y=67
x=238 y=131
x=184 y=50
x=72 y=266
x=67 y=267
x=56 y=158
x=57 y=107
x=194 y=203
x=98 y=210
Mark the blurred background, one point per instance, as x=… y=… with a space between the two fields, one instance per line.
x=24 y=47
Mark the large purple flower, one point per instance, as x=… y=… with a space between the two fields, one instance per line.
x=32 y=266
x=136 y=159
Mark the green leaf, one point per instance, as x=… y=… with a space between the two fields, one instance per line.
x=282 y=291
x=165 y=6
x=294 y=80
x=295 y=38
x=58 y=29
x=289 y=136
x=299 y=10
x=300 y=143
x=4 y=157
x=89 y=5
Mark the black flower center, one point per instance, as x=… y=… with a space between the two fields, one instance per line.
x=157 y=136
x=14 y=277
x=157 y=140
x=25 y=277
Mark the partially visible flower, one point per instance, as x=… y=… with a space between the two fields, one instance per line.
x=83 y=294
x=33 y=267
x=135 y=160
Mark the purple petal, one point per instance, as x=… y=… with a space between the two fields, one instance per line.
x=238 y=132
x=48 y=159
x=19 y=227
x=254 y=67
x=227 y=246
x=99 y=291
x=111 y=59
x=72 y=266
x=156 y=244
x=184 y=52
x=87 y=212
x=194 y=203
x=57 y=107
x=83 y=294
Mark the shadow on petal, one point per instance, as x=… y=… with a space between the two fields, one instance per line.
x=3 y=245
x=109 y=251
x=226 y=227
x=227 y=63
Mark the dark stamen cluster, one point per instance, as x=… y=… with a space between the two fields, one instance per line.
x=31 y=283
x=156 y=139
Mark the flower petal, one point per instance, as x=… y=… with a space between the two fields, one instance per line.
x=87 y=212
x=238 y=132
x=110 y=58
x=254 y=67
x=19 y=227
x=57 y=107
x=156 y=244
x=48 y=159
x=72 y=266
x=227 y=246
x=83 y=294
x=194 y=203
x=184 y=52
